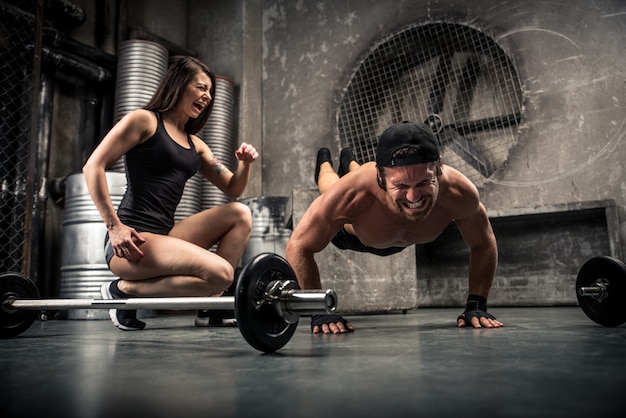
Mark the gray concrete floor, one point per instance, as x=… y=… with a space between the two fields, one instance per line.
x=546 y=362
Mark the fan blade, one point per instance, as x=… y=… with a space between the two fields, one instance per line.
x=467 y=84
x=467 y=151
x=496 y=122
x=442 y=76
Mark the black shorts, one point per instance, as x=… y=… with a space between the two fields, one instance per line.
x=346 y=241
x=108 y=250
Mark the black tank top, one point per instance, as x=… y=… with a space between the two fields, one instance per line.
x=156 y=173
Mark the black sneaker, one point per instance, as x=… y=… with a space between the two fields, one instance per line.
x=123 y=319
x=215 y=318
x=323 y=155
x=345 y=158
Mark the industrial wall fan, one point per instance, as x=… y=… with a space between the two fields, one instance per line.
x=454 y=77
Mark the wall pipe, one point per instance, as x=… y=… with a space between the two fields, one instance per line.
x=29 y=206
x=174 y=49
x=54 y=39
x=41 y=171
x=83 y=69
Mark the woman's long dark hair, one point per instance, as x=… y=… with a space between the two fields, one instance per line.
x=180 y=73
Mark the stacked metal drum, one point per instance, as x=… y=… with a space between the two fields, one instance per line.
x=140 y=68
x=83 y=268
x=269 y=226
x=219 y=134
x=141 y=65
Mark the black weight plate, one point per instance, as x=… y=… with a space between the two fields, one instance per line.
x=14 y=322
x=263 y=328
x=611 y=311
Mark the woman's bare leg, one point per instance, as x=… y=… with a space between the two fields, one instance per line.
x=229 y=225
x=181 y=263
x=173 y=267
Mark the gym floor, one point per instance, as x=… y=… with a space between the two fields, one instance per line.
x=546 y=362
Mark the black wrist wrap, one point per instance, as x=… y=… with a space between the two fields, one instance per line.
x=476 y=303
x=476 y=307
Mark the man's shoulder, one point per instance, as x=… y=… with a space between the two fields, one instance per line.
x=458 y=195
x=455 y=182
x=354 y=193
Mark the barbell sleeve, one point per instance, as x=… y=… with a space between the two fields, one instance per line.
x=593 y=291
x=308 y=302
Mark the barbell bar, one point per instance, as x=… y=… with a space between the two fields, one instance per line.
x=267 y=303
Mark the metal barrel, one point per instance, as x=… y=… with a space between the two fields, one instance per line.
x=83 y=266
x=199 y=194
x=219 y=135
x=141 y=65
x=268 y=233
x=190 y=201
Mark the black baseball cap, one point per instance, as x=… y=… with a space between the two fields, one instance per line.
x=407 y=135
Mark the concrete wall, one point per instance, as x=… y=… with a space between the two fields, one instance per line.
x=291 y=61
x=570 y=148
x=227 y=36
x=569 y=56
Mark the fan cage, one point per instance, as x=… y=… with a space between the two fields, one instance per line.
x=452 y=76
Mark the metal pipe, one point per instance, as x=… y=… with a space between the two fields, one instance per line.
x=174 y=49
x=89 y=123
x=64 y=13
x=54 y=39
x=84 y=69
x=41 y=172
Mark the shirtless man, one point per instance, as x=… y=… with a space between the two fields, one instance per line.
x=406 y=197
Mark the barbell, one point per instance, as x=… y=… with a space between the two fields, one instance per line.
x=601 y=290
x=268 y=303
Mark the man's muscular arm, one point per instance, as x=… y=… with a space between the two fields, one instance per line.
x=312 y=234
x=322 y=220
x=478 y=234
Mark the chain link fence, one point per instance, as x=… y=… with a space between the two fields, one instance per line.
x=17 y=36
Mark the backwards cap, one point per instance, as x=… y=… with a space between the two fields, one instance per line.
x=407 y=135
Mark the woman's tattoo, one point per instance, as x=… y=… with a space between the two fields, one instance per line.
x=218 y=165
